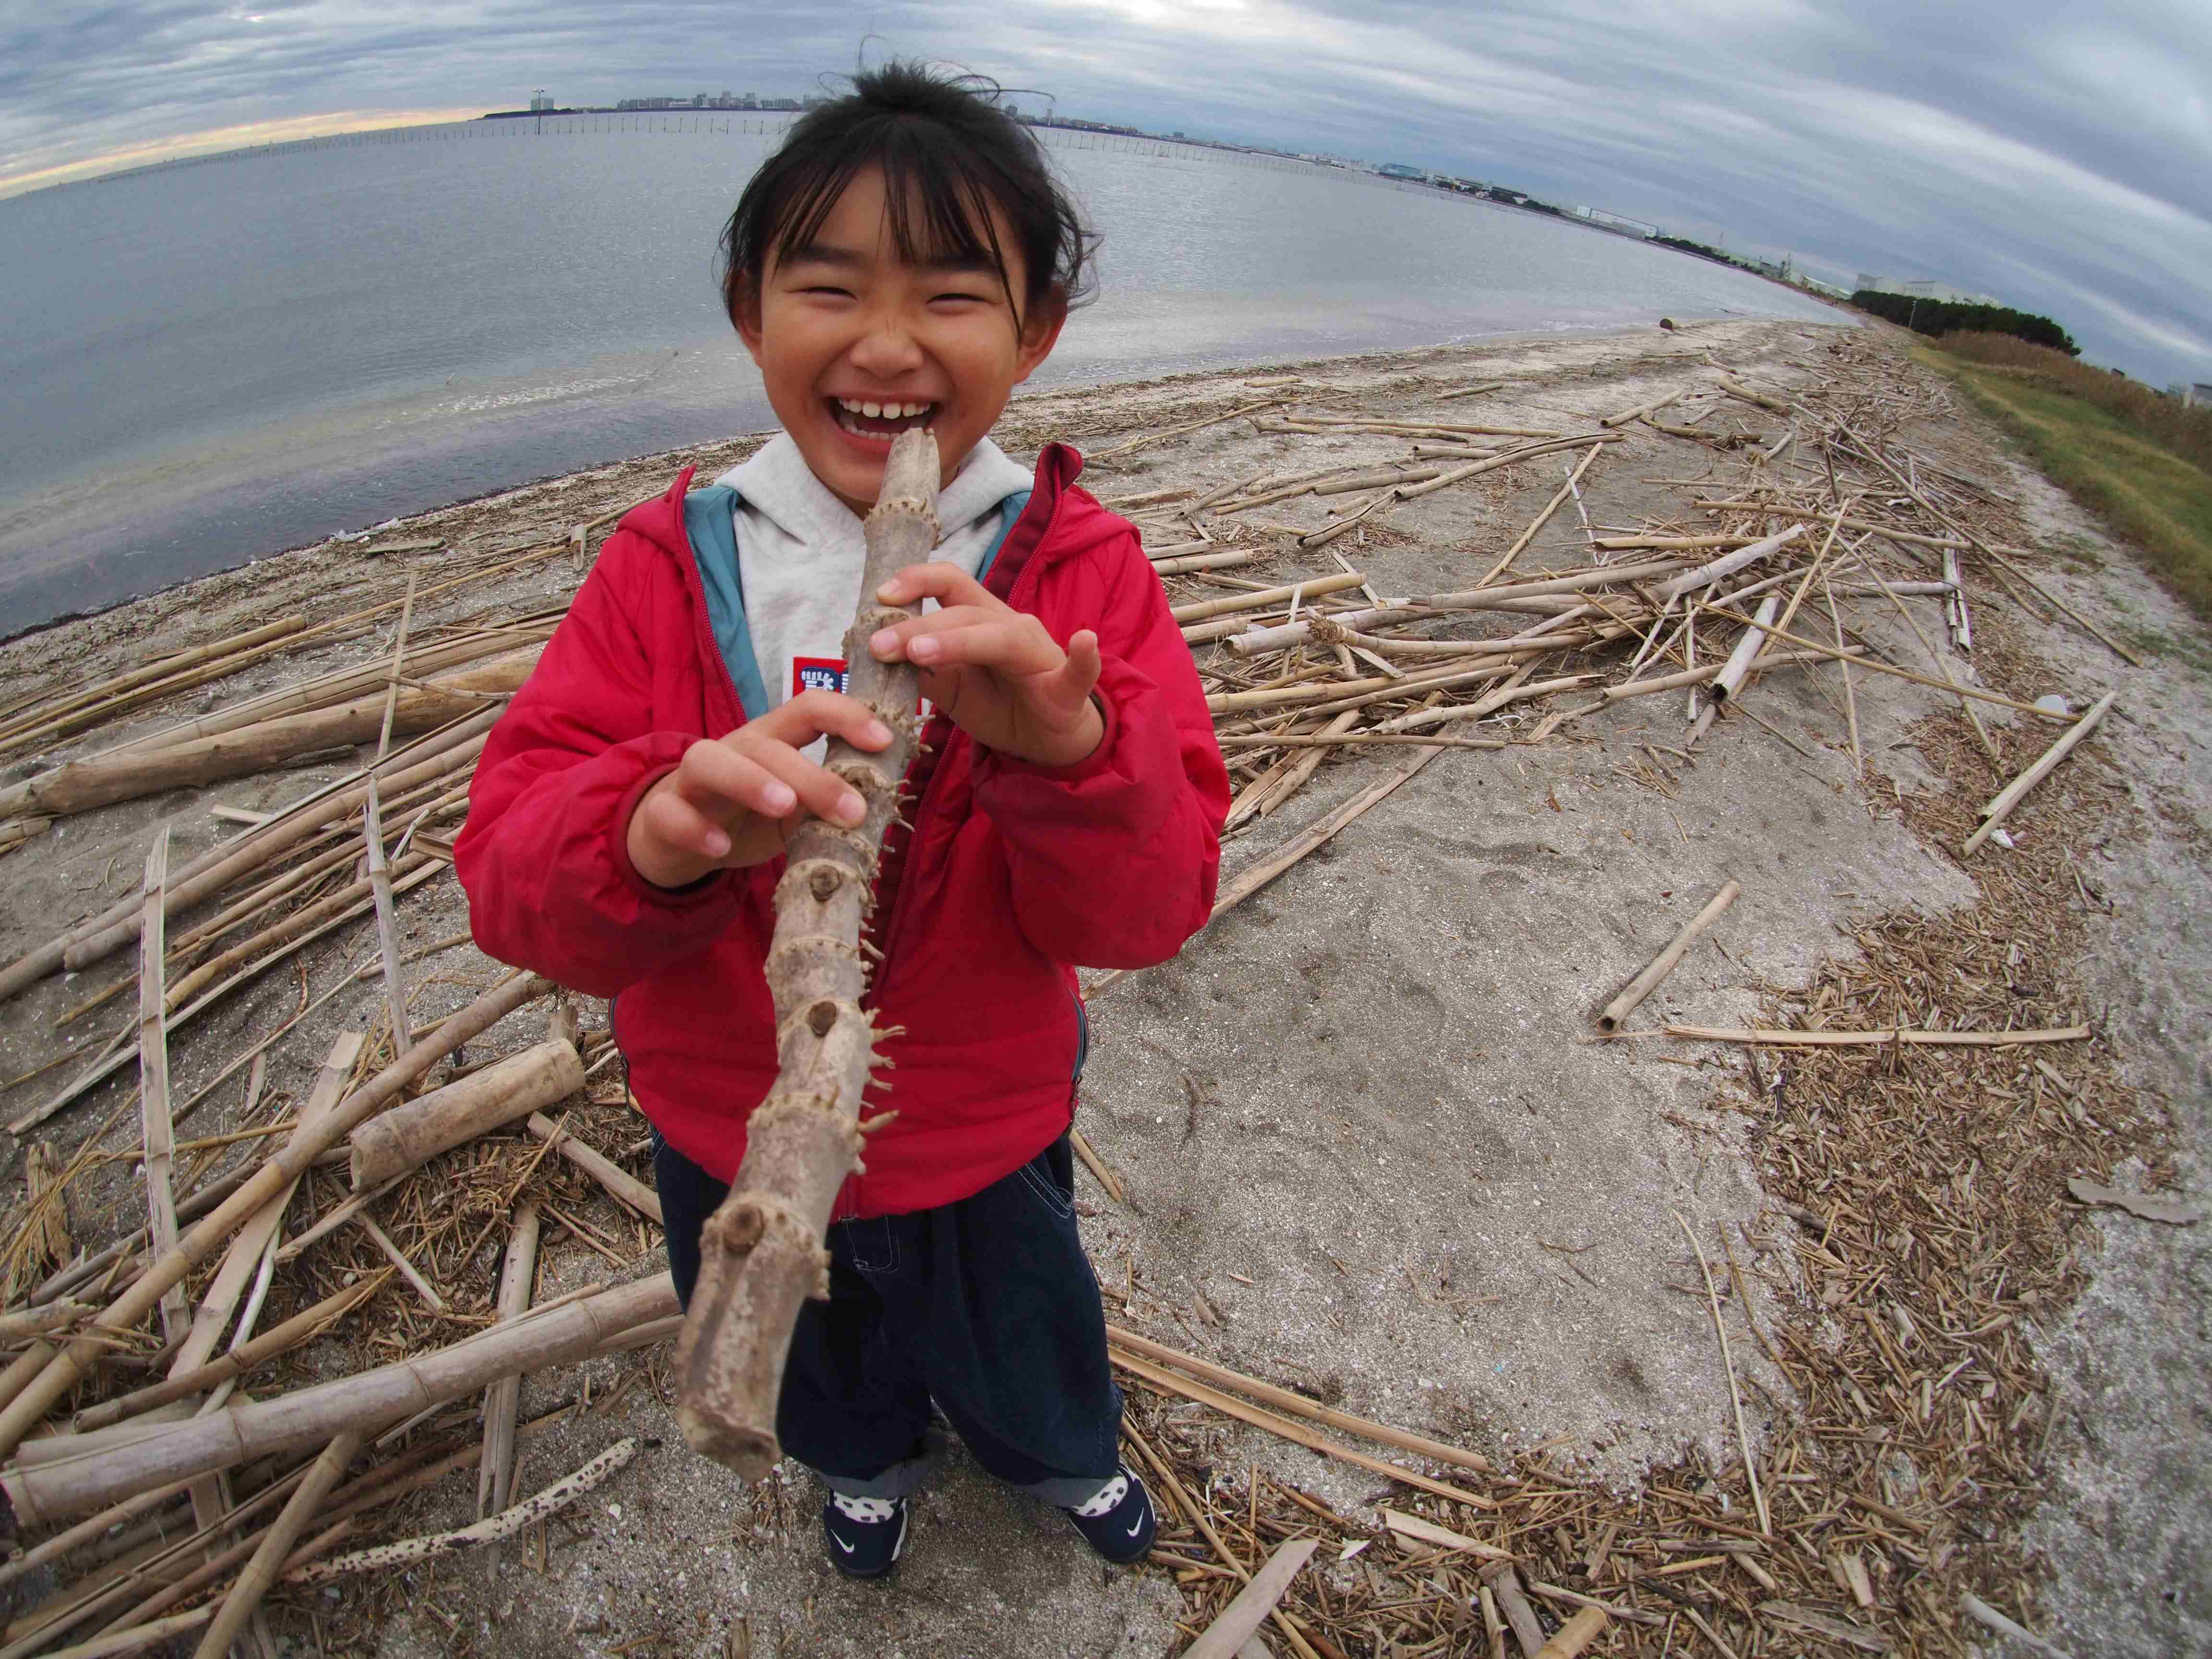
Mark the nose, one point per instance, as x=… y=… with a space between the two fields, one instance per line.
x=888 y=349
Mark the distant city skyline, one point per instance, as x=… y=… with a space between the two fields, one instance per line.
x=2057 y=160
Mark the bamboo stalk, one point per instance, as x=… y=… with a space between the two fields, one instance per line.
x=260 y=1573
x=1237 y=1624
x=761 y=1250
x=50 y=721
x=54 y=1478
x=1179 y=1496
x=427 y=870
x=1285 y=1428
x=1526 y=451
x=1943 y=668
x=1502 y=598
x=410 y=1135
x=437 y=756
x=1296 y=1404
x=157 y=1135
x=1543 y=518
x=1789 y=1039
x=620 y=1183
x=83 y=784
x=1422 y=720
x=1644 y=412
x=1999 y=805
x=1177 y=567
x=1313 y=587
x=306 y=1143
x=1728 y=1365
x=517 y=1273
x=380 y=890
x=1875 y=665
x=182 y=1385
x=1738 y=663
x=247 y=1249
x=406 y=1269
x=1843 y=667
x=85 y=1531
x=1663 y=964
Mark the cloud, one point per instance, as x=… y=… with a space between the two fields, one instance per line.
x=2058 y=158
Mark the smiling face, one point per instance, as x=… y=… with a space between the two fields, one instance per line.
x=856 y=343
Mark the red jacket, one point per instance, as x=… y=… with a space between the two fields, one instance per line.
x=1011 y=873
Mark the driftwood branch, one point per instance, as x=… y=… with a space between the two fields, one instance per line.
x=762 y=1251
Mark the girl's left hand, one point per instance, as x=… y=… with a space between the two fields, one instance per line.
x=993 y=670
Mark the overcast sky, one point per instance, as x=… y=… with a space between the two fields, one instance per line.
x=2058 y=157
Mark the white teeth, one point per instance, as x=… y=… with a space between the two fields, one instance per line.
x=871 y=411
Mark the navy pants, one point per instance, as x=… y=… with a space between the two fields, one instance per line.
x=987 y=1306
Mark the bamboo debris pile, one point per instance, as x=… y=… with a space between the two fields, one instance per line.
x=372 y=1250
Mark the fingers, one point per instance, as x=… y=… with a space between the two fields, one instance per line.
x=814 y=714
x=1084 y=663
x=1008 y=643
x=948 y=584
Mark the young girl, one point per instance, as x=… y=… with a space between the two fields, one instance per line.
x=904 y=258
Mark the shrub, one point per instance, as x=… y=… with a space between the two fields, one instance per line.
x=2166 y=422
x=1947 y=317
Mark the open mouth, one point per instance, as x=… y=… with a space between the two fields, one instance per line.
x=863 y=419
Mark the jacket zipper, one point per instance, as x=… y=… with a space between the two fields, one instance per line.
x=894 y=926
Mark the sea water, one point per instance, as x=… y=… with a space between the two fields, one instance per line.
x=202 y=364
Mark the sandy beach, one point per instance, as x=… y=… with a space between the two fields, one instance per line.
x=1369 y=1144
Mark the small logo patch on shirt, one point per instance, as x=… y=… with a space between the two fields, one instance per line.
x=830 y=674
x=816 y=674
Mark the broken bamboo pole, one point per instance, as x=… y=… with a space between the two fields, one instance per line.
x=65 y=1476
x=307 y=1143
x=517 y=1273
x=408 y=1136
x=182 y=1385
x=260 y=1574
x=618 y=1182
x=157 y=1133
x=81 y=786
x=761 y=1252
x=1999 y=805
x=1663 y=964
x=437 y=755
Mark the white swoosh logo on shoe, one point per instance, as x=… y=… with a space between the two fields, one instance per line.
x=1139 y=1528
x=849 y=1548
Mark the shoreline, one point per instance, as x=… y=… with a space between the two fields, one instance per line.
x=1485 y=1268
x=1076 y=385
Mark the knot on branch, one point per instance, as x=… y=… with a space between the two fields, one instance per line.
x=1323 y=631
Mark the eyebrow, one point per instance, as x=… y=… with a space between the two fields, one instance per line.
x=846 y=259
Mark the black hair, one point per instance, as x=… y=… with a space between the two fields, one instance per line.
x=948 y=154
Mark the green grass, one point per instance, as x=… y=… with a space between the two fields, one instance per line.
x=2114 y=465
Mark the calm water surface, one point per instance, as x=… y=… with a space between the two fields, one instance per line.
x=205 y=364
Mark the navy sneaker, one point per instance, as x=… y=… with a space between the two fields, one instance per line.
x=865 y=1533
x=1117 y=1519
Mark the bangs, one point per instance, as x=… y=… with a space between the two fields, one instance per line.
x=964 y=184
x=938 y=195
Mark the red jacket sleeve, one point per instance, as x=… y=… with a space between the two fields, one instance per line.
x=1114 y=858
x=543 y=858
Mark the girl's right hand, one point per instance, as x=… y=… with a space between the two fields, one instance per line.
x=732 y=801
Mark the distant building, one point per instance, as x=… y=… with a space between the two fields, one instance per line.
x=1922 y=288
x=540 y=103
x=2197 y=394
x=1399 y=170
